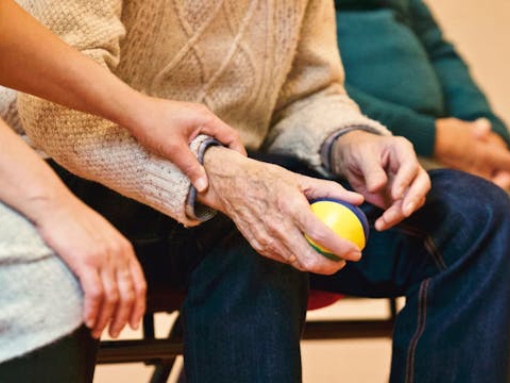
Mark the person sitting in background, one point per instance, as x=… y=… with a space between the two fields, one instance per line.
x=62 y=264
x=402 y=72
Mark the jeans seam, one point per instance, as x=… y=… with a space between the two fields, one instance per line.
x=422 y=314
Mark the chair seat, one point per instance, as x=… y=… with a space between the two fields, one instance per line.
x=318 y=299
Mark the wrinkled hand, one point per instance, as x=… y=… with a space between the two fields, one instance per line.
x=102 y=259
x=167 y=127
x=270 y=207
x=385 y=170
x=474 y=148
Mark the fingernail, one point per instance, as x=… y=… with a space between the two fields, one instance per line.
x=201 y=184
x=89 y=322
x=409 y=208
x=354 y=256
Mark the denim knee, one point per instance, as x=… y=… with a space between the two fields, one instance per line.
x=472 y=205
x=244 y=310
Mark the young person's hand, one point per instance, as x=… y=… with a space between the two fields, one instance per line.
x=101 y=258
x=167 y=127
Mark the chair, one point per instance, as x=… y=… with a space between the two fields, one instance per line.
x=162 y=352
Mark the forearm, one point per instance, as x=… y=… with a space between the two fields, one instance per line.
x=99 y=150
x=36 y=61
x=28 y=184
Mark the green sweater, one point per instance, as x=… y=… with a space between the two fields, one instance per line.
x=402 y=72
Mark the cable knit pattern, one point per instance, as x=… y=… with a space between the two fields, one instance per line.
x=33 y=312
x=269 y=69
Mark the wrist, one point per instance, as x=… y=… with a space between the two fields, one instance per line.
x=223 y=166
x=442 y=138
x=331 y=149
x=45 y=205
x=134 y=111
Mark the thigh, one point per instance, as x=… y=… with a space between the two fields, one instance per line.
x=69 y=359
x=461 y=223
x=40 y=299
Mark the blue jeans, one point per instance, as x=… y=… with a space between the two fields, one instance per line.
x=451 y=260
x=244 y=314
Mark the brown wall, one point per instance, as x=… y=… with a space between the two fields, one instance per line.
x=481 y=32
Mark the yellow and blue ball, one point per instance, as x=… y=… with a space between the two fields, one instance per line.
x=346 y=220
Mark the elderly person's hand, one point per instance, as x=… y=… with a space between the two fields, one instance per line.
x=270 y=206
x=102 y=259
x=385 y=170
x=472 y=146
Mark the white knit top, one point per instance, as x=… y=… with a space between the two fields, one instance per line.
x=40 y=299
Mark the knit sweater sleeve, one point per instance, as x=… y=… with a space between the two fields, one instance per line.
x=92 y=147
x=313 y=103
x=463 y=97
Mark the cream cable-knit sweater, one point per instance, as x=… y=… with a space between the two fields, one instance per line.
x=269 y=68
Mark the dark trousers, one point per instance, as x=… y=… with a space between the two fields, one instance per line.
x=244 y=314
x=68 y=360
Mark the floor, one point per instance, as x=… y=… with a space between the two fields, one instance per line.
x=352 y=361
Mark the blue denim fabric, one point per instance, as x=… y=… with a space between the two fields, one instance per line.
x=243 y=317
x=244 y=314
x=452 y=262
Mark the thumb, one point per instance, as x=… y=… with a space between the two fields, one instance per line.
x=189 y=165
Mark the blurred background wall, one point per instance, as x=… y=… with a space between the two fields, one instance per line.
x=481 y=32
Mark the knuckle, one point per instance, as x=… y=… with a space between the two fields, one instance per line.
x=95 y=293
x=208 y=119
x=309 y=263
x=112 y=297
x=205 y=116
x=202 y=109
x=269 y=246
x=121 y=247
x=404 y=142
x=170 y=146
x=316 y=234
x=128 y=297
x=141 y=289
x=126 y=246
x=94 y=255
x=235 y=136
